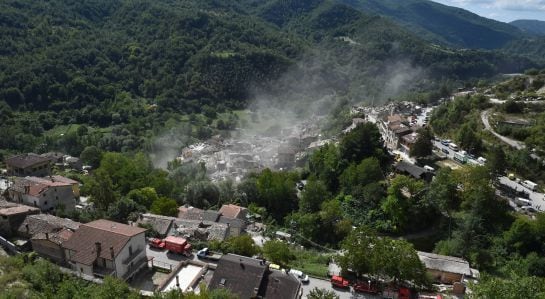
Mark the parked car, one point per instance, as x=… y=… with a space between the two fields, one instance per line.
x=444 y=150
x=445 y=142
x=339 y=282
x=157 y=243
x=205 y=253
x=300 y=275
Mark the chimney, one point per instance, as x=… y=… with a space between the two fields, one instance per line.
x=98 y=248
x=112 y=254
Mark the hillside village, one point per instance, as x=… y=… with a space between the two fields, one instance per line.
x=137 y=252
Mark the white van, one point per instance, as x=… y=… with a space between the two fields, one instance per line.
x=529 y=184
x=522 y=202
x=453 y=147
x=429 y=168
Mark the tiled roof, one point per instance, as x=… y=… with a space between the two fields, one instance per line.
x=160 y=224
x=191 y=213
x=38 y=185
x=278 y=284
x=44 y=223
x=445 y=263
x=107 y=233
x=57 y=237
x=19 y=209
x=239 y=274
x=25 y=160
x=233 y=211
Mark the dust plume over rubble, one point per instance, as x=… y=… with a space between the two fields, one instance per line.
x=285 y=120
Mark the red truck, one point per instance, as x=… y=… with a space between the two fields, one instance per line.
x=339 y=282
x=177 y=245
x=366 y=287
x=157 y=243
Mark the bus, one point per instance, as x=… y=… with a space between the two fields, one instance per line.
x=522 y=202
x=530 y=185
x=460 y=158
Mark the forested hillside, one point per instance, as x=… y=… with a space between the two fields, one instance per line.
x=129 y=70
x=531 y=26
x=443 y=24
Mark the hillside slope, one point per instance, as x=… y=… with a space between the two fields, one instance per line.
x=442 y=24
x=534 y=27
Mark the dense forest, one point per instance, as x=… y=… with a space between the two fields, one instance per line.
x=129 y=71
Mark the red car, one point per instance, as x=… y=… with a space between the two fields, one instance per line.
x=157 y=243
x=339 y=282
x=366 y=287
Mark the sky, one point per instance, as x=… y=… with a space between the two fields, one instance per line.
x=502 y=10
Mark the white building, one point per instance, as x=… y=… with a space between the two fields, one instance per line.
x=104 y=247
x=47 y=193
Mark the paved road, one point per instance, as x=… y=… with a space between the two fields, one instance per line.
x=538 y=199
x=450 y=154
x=343 y=293
x=513 y=143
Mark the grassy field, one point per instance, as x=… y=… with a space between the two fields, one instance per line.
x=311 y=262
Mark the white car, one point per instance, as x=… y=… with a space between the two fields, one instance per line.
x=300 y=275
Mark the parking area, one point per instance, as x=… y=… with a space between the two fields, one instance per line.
x=537 y=199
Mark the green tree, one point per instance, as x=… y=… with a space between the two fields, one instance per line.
x=318 y=293
x=241 y=245
x=143 y=196
x=468 y=139
x=91 y=155
x=278 y=252
x=496 y=161
x=165 y=206
x=359 y=175
x=423 y=146
x=277 y=192
x=363 y=142
x=124 y=209
x=314 y=194
x=514 y=287
x=102 y=190
x=113 y=288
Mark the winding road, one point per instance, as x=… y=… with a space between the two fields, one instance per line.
x=511 y=142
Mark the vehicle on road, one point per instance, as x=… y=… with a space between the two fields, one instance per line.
x=339 y=282
x=444 y=150
x=299 y=275
x=522 y=202
x=481 y=160
x=445 y=142
x=157 y=243
x=460 y=158
x=205 y=253
x=471 y=156
x=366 y=287
x=453 y=147
x=511 y=176
x=429 y=168
x=528 y=210
x=177 y=245
x=274 y=267
x=529 y=184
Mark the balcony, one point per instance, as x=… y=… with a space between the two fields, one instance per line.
x=136 y=266
x=130 y=258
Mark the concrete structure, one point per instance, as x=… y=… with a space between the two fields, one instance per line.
x=200 y=230
x=104 y=247
x=445 y=269
x=12 y=215
x=48 y=193
x=185 y=277
x=28 y=165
